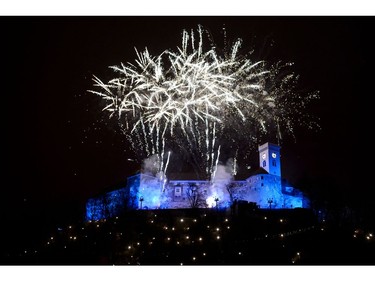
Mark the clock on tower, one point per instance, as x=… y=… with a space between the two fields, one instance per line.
x=269 y=158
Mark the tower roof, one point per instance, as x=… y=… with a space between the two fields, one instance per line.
x=258 y=171
x=270 y=145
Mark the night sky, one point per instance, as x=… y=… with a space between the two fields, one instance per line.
x=58 y=152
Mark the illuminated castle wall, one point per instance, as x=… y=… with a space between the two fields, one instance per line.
x=264 y=187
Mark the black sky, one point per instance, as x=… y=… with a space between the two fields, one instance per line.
x=48 y=63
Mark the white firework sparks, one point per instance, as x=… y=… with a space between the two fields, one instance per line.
x=200 y=97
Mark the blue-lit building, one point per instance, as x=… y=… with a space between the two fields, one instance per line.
x=264 y=187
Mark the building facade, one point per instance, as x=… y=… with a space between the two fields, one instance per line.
x=264 y=187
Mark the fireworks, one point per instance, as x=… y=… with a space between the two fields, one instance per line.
x=200 y=101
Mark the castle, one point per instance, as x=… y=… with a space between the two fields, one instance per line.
x=264 y=187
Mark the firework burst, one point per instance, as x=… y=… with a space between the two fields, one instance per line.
x=199 y=101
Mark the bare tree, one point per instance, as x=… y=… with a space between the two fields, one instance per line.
x=195 y=197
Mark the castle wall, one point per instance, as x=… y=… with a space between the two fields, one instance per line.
x=181 y=194
x=260 y=189
x=148 y=192
x=195 y=194
x=293 y=201
x=150 y=189
x=108 y=205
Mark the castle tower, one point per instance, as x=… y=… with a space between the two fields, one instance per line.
x=269 y=158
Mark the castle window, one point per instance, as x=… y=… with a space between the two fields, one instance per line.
x=261 y=184
x=261 y=177
x=274 y=163
x=264 y=163
x=177 y=191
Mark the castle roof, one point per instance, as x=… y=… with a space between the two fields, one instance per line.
x=244 y=175
x=258 y=171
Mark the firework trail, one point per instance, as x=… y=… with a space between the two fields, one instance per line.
x=201 y=100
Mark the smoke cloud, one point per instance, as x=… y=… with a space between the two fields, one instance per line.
x=221 y=179
x=150 y=165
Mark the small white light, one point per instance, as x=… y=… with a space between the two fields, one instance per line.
x=218 y=237
x=181 y=220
